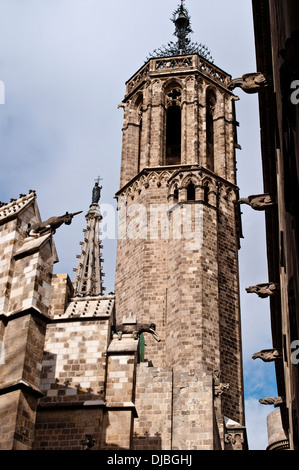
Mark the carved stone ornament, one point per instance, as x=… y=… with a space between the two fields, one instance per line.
x=234 y=441
x=275 y=401
x=219 y=387
x=250 y=83
x=50 y=225
x=268 y=355
x=264 y=290
x=258 y=202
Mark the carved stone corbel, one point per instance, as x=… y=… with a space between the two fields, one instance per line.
x=264 y=290
x=268 y=355
x=250 y=82
x=258 y=202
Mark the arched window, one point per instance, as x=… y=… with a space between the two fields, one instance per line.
x=191 y=192
x=176 y=194
x=138 y=105
x=173 y=127
x=206 y=191
x=139 y=141
x=210 y=108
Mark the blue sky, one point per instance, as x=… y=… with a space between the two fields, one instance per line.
x=64 y=64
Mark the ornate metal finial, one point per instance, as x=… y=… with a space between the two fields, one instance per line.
x=183 y=46
x=181 y=20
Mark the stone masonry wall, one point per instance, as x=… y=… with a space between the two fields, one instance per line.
x=31 y=280
x=66 y=428
x=74 y=360
x=73 y=370
x=153 y=426
x=141 y=272
x=8 y=236
x=229 y=307
x=26 y=269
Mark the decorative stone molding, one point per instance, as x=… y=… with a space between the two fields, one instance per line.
x=281 y=445
x=186 y=63
x=235 y=435
x=16 y=206
x=234 y=440
x=178 y=179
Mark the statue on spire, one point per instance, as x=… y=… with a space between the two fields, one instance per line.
x=96 y=192
x=89 y=276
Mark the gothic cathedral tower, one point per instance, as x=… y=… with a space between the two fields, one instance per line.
x=177 y=259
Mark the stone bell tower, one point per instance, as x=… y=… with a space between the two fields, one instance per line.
x=177 y=260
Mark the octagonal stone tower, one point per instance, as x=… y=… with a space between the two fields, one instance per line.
x=177 y=260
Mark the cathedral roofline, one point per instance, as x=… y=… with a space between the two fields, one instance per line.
x=16 y=206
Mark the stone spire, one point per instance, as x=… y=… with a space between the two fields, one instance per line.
x=89 y=276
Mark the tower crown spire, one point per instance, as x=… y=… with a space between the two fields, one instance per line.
x=184 y=45
x=181 y=20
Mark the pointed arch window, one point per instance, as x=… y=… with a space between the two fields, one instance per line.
x=206 y=191
x=173 y=127
x=191 y=192
x=210 y=130
x=176 y=194
x=139 y=103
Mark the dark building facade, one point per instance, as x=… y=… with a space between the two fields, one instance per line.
x=276 y=26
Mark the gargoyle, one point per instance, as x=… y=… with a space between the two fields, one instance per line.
x=50 y=225
x=258 y=202
x=264 y=290
x=268 y=355
x=250 y=82
x=137 y=330
x=276 y=401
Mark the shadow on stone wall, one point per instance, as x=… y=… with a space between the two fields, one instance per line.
x=147 y=442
